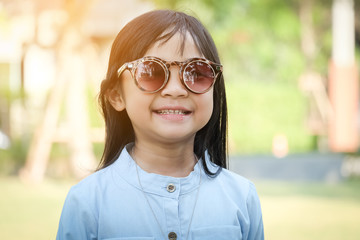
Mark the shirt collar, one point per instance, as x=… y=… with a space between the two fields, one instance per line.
x=125 y=168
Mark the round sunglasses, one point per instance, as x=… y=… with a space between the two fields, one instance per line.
x=151 y=74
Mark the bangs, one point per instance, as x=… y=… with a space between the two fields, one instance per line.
x=183 y=26
x=159 y=27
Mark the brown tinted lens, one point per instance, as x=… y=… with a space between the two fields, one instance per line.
x=198 y=76
x=150 y=76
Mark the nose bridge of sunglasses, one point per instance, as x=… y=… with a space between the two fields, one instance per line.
x=174 y=70
x=173 y=63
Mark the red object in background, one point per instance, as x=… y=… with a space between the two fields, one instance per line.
x=344 y=96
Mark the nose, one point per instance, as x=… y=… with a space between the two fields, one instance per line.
x=174 y=87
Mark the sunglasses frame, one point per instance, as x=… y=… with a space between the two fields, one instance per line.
x=132 y=66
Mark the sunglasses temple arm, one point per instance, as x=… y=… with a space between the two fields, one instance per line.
x=122 y=69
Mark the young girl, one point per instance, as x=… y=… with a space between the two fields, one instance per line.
x=162 y=175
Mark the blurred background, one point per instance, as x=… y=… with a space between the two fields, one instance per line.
x=292 y=78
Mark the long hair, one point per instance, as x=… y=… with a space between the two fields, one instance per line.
x=131 y=43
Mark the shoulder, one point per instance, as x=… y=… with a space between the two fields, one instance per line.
x=234 y=185
x=86 y=193
x=237 y=184
x=93 y=181
x=79 y=215
x=105 y=182
x=227 y=175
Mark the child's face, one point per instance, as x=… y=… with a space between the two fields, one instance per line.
x=173 y=114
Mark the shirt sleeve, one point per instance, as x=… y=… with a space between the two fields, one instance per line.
x=256 y=231
x=77 y=219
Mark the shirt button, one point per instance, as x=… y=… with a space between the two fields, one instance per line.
x=172 y=236
x=170 y=188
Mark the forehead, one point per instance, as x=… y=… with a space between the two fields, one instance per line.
x=179 y=47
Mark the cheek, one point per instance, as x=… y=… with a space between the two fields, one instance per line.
x=209 y=111
x=137 y=107
x=126 y=84
x=207 y=106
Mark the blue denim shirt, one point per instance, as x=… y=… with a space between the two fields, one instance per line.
x=109 y=204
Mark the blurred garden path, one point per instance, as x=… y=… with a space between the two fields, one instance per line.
x=324 y=167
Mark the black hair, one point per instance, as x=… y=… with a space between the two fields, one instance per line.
x=131 y=43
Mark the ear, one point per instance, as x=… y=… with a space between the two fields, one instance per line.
x=116 y=100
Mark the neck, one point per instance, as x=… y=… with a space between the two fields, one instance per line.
x=168 y=160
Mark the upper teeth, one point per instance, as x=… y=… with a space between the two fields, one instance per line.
x=171 y=112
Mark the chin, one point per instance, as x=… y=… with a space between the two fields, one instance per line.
x=177 y=137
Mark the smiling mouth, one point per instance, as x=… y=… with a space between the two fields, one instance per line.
x=170 y=111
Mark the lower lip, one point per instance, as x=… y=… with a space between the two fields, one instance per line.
x=173 y=117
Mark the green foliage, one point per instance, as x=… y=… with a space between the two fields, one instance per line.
x=4 y=81
x=13 y=158
x=259 y=112
x=96 y=119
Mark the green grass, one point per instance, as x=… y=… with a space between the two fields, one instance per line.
x=310 y=211
x=291 y=210
x=30 y=211
x=299 y=217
